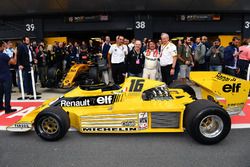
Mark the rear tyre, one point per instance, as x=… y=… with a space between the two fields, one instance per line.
x=54 y=77
x=93 y=74
x=185 y=88
x=206 y=122
x=52 y=124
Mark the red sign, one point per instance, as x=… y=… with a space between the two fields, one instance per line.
x=23 y=108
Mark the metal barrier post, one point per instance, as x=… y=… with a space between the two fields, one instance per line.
x=248 y=73
x=33 y=82
x=21 y=83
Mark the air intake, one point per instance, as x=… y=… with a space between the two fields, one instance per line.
x=165 y=119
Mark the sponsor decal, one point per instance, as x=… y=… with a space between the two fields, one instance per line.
x=128 y=123
x=237 y=104
x=85 y=101
x=235 y=87
x=22 y=125
x=150 y=59
x=143 y=121
x=66 y=103
x=222 y=77
x=107 y=129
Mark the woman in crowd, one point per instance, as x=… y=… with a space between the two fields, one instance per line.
x=244 y=59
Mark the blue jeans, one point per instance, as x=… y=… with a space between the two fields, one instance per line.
x=135 y=75
x=215 y=68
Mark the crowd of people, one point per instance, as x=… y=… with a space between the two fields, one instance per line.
x=163 y=60
x=168 y=60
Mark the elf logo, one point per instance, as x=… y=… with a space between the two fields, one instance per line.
x=104 y=100
x=235 y=87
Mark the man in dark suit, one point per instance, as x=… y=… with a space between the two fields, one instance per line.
x=25 y=59
x=5 y=79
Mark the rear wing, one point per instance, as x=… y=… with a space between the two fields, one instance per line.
x=228 y=91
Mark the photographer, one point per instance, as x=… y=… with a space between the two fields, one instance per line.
x=215 y=55
x=5 y=79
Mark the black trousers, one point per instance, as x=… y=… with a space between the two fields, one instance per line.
x=117 y=72
x=165 y=72
x=13 y=74
x=243 y=65
x=230 y=71
x=5 y=89
x=43 y=73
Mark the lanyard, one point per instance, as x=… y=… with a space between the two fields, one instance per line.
x=162 y=49
x=136 y=54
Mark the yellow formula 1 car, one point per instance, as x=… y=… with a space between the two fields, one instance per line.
x=142 y=106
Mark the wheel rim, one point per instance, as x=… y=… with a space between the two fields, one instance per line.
x=49 y=125
x=211 y=126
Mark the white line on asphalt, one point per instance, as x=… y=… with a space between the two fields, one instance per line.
x=240 y=126
x=27 y=100
x=3 y=128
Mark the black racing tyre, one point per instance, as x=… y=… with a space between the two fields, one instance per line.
x=52 y=124
x=185 y=88
x=54 y=77
x=206 y=122
x=93 y=74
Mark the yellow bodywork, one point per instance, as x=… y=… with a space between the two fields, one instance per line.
x=75 y=70
x=129 y=109
x=128 y=113
x=228 y=91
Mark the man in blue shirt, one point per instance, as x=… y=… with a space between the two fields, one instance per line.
x=5 y=79
x=10 y=52
x=231 y=55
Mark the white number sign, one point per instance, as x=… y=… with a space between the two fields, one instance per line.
x=247 y=24
x=140 y=25
x=30 y=27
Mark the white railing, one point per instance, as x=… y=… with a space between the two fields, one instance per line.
x=248 y=73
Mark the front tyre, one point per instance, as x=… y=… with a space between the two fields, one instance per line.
x=52 y=124
x=207 y=122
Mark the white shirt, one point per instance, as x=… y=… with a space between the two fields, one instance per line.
x=9 y=52
x=118 y=53
x=30 y=54
x=131 y=45
x=151 y=59
x=167 y=53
